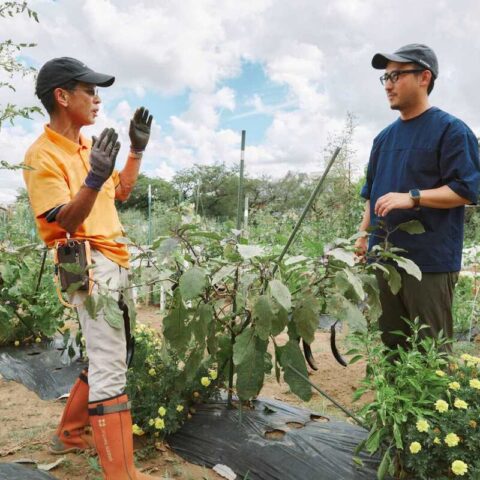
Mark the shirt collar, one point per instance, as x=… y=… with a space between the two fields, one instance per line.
x=66 y=144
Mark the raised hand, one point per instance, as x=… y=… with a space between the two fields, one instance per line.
x=102 y=158
x=139 y=131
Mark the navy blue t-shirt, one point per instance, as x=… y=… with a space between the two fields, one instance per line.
x=425 y=152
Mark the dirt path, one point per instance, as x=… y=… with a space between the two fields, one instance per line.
x=27 y=422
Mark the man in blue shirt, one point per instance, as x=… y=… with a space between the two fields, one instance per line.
x=424 y=166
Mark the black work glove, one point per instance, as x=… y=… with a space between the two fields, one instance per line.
x=102 y=158
x=139 y=131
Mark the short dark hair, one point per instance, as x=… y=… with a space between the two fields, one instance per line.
x=432 y=78
x=48 y=99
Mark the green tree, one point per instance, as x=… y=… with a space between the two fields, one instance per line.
x=162 y=192
x=10 y=66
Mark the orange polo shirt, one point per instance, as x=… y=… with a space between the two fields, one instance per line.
x=59 y=167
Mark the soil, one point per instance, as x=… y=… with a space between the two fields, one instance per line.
x=27 y=423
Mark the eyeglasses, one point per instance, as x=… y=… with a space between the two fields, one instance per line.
x=394 y=75
x=91 y=91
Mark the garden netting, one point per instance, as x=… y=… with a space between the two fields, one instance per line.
x=274 y=441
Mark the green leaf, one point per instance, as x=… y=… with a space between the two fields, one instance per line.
x=113 y=314
x=192 y=283
x=355 y=359
x=356 y=284
x=202 y=321
x=384 y=465
x=290 y=354
x=281 y=294
x=305 y=316
x=414 y=227
x=72 y=268
x=263 y=315
x=373 y=441
x=244 y=346
x=175 y=330
x=225 y=271
x=394 y=279
x=342 y=255
x=398 y=436
x=250 y=251
x=251 y=372
x=341 y=308
x=192 y=364
x=279 y=320
x=73 y=287
x=410 y=267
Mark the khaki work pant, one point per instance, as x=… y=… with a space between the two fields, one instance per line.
x=430 y=299
x=106 y=346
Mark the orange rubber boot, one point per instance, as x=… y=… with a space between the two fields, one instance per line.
x=111 y=423
x=72 y=434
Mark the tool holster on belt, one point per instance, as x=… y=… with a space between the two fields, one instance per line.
x=73 y=263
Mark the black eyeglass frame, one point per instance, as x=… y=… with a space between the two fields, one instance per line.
x=395 y=74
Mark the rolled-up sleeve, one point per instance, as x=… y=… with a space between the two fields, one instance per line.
x=459 y=161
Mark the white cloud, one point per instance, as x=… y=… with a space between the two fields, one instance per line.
x=319 y=51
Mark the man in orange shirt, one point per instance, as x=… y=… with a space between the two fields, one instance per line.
x=72 y=186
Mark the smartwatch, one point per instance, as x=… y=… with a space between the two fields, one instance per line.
x=414 y=194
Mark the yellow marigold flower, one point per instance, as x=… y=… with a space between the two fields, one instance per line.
x=213 y=374
x=441 y=406
x=472 y=423
x=159 y=423
x=180 y=408
x=38 y=340
x=415 y=447
x=458 y=403
x=422 y=425
x=453 y=367
x=151 y=422
x=454 y=386
x=440 y=373
x=205 y=381
x=475 y=383
x=466 y=357
x=162 y=411
x=436 y=441
x=452 y=439
x=17 y=343
x=459 y=467
x=152 y=372
x=137 y=430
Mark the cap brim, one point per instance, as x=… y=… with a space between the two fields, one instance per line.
x=380 y=60
x=95 y=78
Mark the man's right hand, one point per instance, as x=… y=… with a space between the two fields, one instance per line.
x=102 y=158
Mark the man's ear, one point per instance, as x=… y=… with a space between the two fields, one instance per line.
x=61 y=97
x=425 y=78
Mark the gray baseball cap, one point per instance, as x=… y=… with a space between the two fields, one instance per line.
x=413 y=52
x=58 y=71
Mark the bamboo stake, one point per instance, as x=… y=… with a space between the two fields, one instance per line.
x=312 y=198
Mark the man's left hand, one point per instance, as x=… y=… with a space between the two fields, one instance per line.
x=139 y=131
x=390 y=201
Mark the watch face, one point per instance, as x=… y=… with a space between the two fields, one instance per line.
x=415 y=193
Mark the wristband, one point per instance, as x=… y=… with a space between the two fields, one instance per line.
x=135 y=155
x=94 y=181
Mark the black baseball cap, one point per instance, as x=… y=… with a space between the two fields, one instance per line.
x=413 y=52
x=59 y=71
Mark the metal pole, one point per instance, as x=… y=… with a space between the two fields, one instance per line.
x=149 y=214
x=245 y=216
x=234 y=303
x=312 y=198
x=240 y=183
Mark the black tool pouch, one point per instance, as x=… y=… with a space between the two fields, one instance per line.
x=73 y=252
